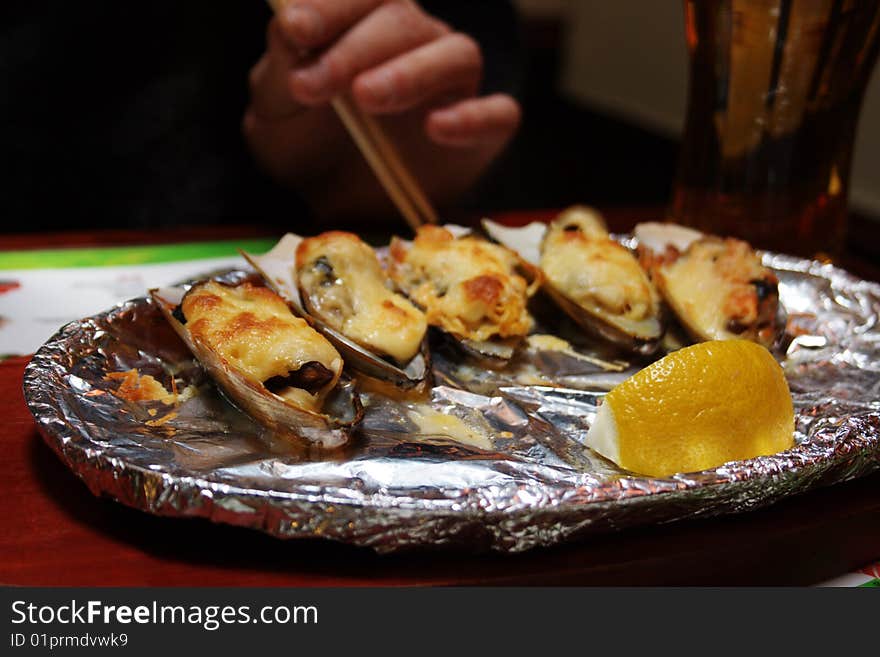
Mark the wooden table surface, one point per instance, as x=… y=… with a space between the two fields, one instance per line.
x=57 y=533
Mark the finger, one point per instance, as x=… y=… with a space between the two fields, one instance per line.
x=271 y=97
x=451 y=63
x=474 y=121
x=309 y=24
x=391 y=29
x=278 y=47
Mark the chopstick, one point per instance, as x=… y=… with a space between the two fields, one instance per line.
x=386 y=163
x=380 y=153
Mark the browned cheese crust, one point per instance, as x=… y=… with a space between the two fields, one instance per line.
x=468 y=287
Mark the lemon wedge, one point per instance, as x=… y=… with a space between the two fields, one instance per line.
x=695 y=409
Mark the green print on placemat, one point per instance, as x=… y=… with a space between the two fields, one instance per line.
x=128 y=255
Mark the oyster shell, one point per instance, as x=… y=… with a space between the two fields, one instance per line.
x=656 y=236
x=595 y=280
x=271 y=364
x=475 y=292
x=335 y=281
x=717 y=287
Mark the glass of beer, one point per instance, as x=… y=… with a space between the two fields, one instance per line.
x=773 y=104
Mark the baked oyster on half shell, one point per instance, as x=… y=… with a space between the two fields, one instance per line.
x=336 y=282
x=269 y=362
x=474 y=291
x=594 y=279
x=719 y=289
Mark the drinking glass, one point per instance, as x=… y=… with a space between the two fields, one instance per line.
x=773 y=103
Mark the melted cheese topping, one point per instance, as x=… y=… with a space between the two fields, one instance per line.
x=434 y=423
x=586 y=265
x=545 y=342
x=714 y=287
x=253 y=330
x=346 y=289
x=468 y=286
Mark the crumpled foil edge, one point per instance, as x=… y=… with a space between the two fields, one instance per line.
x=508 y=518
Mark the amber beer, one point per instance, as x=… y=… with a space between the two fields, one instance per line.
x=774 y=98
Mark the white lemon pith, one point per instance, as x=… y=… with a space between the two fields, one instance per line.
x=696 y=409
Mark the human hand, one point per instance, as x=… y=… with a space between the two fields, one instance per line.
x=394 y=59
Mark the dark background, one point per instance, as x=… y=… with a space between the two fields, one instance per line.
x=123 y=115
x=567 y=153
x=117 y=115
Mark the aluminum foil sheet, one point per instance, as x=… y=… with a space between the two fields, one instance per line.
x=523 y=479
